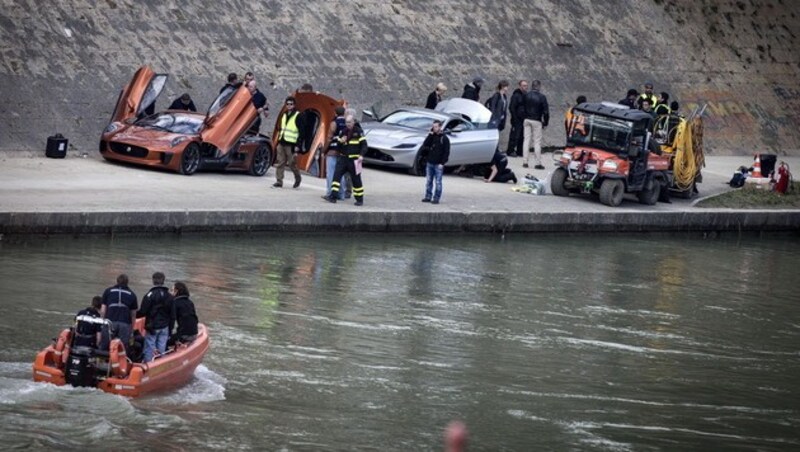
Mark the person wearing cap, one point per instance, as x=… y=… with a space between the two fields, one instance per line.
x=435 y=96
x=183 y=103
x=472 y=91
x=647 y=94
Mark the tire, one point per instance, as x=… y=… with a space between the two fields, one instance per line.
x=611 y=192
x=420 y=163
x=650 y=193
x=686 y=194
x=262 y=160
x=190 y=159
x=557 y=182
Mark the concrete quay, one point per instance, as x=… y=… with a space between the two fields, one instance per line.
x=76 y=195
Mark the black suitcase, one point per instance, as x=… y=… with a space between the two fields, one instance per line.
x=56 y=146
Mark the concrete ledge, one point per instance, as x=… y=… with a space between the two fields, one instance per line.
x=15 y=223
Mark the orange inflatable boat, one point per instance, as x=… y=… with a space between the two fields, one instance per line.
x=61 y=364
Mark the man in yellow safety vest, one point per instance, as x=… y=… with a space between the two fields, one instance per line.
x=288 y=137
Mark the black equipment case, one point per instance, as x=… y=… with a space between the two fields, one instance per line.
x=56 y=146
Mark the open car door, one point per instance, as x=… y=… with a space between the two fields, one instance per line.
x=228 y=118
x=139 y=93
x=317 y=112
x=468 y=109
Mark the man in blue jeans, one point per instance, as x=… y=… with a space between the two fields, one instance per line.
x=437 y=146
x=157 y=311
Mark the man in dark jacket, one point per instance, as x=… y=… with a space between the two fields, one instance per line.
x=537 y=116
x=353 y=145
x=157 y=311
x=184 y=102
x=183 y=312
x=437 y=146
x=87 y=325
x=472 y=91
x=630 y=99
x=516 y=107
x=233 y=82
x=119 y=307
x=260 y=103
x=498 y=105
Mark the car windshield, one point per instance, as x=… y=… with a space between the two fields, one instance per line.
x=172 y=122
x=598 y=131
x=409 y=119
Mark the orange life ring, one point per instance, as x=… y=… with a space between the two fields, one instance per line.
x=118 y=359
x=61 y=350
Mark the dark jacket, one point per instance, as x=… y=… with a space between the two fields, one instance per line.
x=157 y=309
x=517 y=105
x=86 y=332
x=497 y=104
x=119 y=302
x=183 y=312
x=438 y=146
x=536 y=107
x=229 y=85
x=433 y=99
x=471 y=92
x=630 y=103
x=178 y=105
x=356 y=141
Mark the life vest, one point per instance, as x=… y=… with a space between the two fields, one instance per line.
x=61 y=350
x=118 y=359
x=289 y=130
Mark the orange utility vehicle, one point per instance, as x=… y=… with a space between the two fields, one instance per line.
x=60 y=363
x=611 y=150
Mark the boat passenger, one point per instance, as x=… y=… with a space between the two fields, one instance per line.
x=87 y=331
x=183 y=312
x=119 y=306
x=157 y=310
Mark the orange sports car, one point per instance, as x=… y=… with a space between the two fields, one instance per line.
x=185 y=141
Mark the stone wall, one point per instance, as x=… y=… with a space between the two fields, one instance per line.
x=62 y=64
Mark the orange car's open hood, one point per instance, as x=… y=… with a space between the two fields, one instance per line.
x=229 y=116
x=139 y=93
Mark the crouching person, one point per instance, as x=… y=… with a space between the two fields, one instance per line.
x=183 y=312
x=157 y=310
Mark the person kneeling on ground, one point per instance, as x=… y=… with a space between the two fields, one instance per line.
x=183 y=312
x=499 y=171
x=157 y=310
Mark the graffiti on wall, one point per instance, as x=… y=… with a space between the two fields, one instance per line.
x=734 y=125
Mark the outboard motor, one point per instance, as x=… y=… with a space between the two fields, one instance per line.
x=80 y=367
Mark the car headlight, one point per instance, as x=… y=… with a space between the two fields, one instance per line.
x=405 y=146
x=609 y=165
x=112 y=127
x=176 y=141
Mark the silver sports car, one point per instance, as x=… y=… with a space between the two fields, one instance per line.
x=395 y=139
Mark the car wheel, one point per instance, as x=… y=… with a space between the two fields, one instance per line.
x=262 y=160
x=611 y=192
x=190 y=159
x=686 y=194
x=420 y=164
x=557 y=182
x=650 y=192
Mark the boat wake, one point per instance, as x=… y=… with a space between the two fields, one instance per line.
x=206 y=386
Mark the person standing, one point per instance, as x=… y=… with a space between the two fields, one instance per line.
x=784 y=176
x=647 y=94
x=260 y=103
x=333 y=153
x=435 y=96
x=184 y=102
x=662 y=107
x=233 y=82
x=472 y=91
x=184 y=314
x=119 y=307
x=517 y=110
x=437 y=146
x=354 y=146
x=157 y=311
x=537 y=116
x=498 y=105
x=630 y=99
x=288 y=136
x=87 y=325
x=569 y=115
